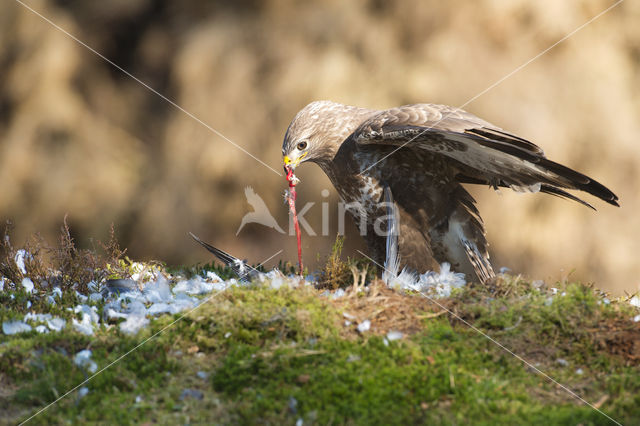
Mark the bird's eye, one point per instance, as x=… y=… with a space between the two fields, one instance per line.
x=302 y=145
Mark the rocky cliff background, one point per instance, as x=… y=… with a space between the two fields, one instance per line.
x=79 y=136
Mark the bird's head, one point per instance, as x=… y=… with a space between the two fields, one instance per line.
x=315 y=134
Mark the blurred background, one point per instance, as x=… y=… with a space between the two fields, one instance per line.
x=78 y=136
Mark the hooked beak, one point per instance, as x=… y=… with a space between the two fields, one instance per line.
x=288 y=162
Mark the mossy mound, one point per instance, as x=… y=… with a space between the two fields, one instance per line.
x=255 y=354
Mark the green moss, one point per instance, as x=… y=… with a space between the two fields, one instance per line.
x=442 y=375
x=275 y=356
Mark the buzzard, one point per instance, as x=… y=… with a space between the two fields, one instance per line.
x=422 y=154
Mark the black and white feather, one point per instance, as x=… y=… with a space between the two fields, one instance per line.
x=241 y=268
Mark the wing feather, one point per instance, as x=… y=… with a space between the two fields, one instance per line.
x=483 y=150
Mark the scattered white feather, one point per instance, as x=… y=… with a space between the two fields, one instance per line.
x=89 y=318
x=133 y=324
x=84 y=326
x=276 y=282
x=158 y=290
x=161 y=308
x=41 y=329
x=111 y=311
x=405 y=281
x=56 y=324
x=142 y=272
x=15 y=327
x=364 y=326
x=394 y=335
x=275 y=279
x=184 y=302
x=212 y=276
x=37 y=317
x=438 y=284
x=90 y=311
x=136 y=308
x=83 y=359
x=81 y=297
x=193 y=286
x=19 y=258
x=142 y=301
x=338 y=294
x=635 y=301
x=442 y=283
x=28 y=285
x=83 y=391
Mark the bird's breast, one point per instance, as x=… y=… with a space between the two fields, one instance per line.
x=360 y=187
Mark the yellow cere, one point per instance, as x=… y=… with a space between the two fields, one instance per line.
x=294 y=163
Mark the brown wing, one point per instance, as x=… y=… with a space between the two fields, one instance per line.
x=483 y=151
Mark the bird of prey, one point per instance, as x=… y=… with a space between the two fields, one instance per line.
x=260 y=213
x=423 y=153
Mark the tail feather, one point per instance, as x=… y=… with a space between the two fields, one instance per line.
x=480 y=263
x=552 y=190
x=545 y=188
x=566 y=177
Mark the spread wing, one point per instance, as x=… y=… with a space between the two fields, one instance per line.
x=482 y=152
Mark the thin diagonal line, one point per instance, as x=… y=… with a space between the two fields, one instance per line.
x=77 y=40
x=118 y=359
x=509 y=351
x=138 y=346
x=447 y=115
x=264 y=261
